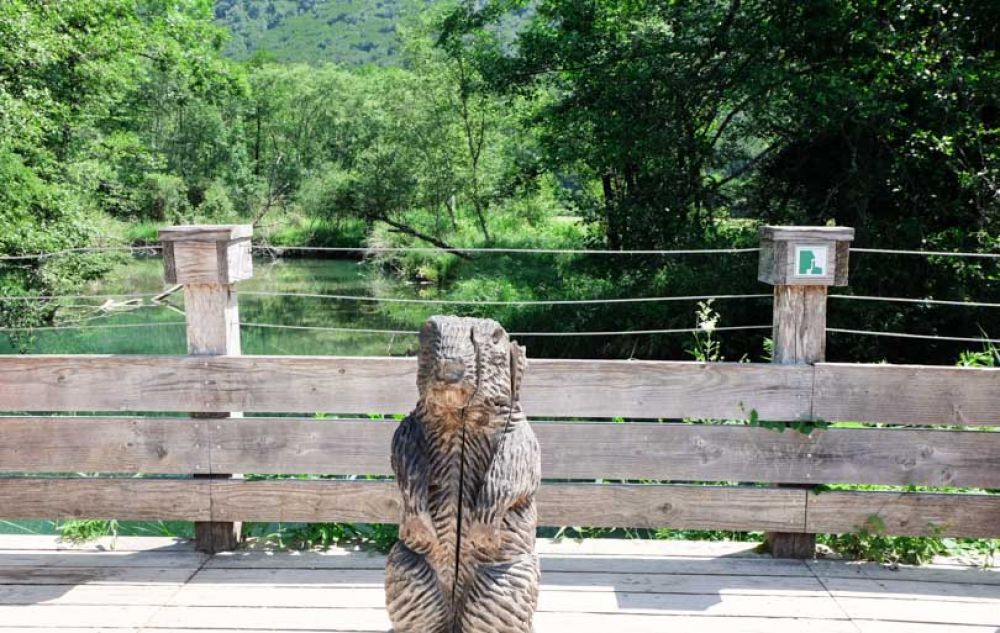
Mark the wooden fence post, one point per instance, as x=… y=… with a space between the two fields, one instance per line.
x=208 y=260
x=800 y=262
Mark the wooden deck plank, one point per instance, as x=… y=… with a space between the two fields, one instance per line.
x=55 y=616
x=92 y=575
x=927 y=573
x=20 y=558
x=113 y=595
x=252 y=581
x=912 y=590
x=44 y=542
x=925 y=610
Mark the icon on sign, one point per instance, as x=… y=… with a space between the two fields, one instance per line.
x=810 y=261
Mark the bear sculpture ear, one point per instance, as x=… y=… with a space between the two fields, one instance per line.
x=518 y=362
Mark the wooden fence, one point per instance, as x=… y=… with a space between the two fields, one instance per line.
x=208 y=446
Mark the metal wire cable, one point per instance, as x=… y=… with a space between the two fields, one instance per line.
x=889 y=251
x=943 y=302
x=55 y=297
x=496 y=302
x=930 y=337
x=547 y=251
x=89 y=327
x=414 y=332
x=82 y=249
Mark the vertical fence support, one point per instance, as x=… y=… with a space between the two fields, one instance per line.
x=800 y=262
x=208 y=260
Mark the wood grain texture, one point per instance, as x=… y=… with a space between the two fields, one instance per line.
x=133 y=499
x=707 y=507
x=678 y=452
x=100 y=444
x=205 y=232
x=918 y=514
x=567 y=388
x=675 y=452
x=378 y=501
x=800 y=233
x=799 y=318
x=907 y=394
x=799 y=324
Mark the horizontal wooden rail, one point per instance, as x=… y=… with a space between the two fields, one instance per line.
x=687 y=507
x=564 y=388
x=675 y=452
x=896 y=394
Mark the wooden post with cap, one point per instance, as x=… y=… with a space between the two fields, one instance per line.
x=801 y=262
x=208 y=260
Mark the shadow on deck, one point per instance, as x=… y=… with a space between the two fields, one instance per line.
x=162 y=586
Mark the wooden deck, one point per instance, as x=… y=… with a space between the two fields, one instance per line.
x=163 y=586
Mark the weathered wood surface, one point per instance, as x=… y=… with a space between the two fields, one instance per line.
x=303 y=591
x=924 y=514
x=799 y=318
x=907 y=394
x=138 y=499
x=213 y=328
x=899 y=394
x=597 y=505
x=647 y=389
x=674 y=452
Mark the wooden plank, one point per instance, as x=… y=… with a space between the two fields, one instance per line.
x=52 y=617
x=316 y=566
x=183 y=559
x=55 y=542
x=706 y=507
x=925 y=610
x=671 y=452
x=135 y=499
x=565 y=388
x=907 y=394
x=175 y=619
x=92 y=575
x=595 y=505
x=98 y=444
x=905 y=513
x=912 y=590
x=72 y=594
x=951 y=574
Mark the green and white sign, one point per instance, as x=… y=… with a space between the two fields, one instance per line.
x=810 y=261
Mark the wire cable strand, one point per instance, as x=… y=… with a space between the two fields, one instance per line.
x=317 y=328
x=929 y=337
x=497 y=302
x=82 y=249
x=95 y=297
x=106 y=326
x=942 y=302
x=545 y=251
x=889 y=251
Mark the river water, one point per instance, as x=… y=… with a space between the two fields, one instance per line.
x=165 y=334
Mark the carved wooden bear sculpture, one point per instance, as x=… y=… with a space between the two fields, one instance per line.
x=468 y=466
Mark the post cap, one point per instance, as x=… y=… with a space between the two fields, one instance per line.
x=206 y=232
x=207 y=253
x=804 y=255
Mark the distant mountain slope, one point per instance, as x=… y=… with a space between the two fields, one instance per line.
x=351 y=32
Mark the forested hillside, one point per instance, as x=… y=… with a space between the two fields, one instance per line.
x=605 y=124
x=351 y=32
